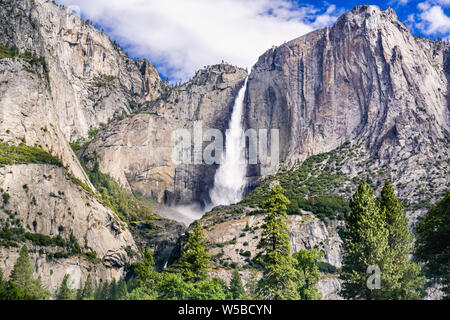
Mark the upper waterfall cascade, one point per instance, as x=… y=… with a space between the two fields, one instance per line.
x=229 y=181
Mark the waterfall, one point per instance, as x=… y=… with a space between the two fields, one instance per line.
x=229 y=181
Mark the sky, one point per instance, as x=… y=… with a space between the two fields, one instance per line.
x=182 y=36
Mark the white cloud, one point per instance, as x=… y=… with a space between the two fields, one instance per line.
x=399 y=2
x=181 y=37
x=433 y=20
x=444 y=3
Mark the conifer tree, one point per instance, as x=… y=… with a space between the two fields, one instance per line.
x=88 y=291
x=279 y=275
x=236 y=287
x=433 y=243
x=401 y=275
x=65 y=292
x=365 y=244
x=195 y=260
x=307 y=265
x=3 y=285
x=79 y=291
x=22 y=286
x=144 y=269
x=102 y=292
x=113 y=290
x=22 y=273
x=122 y=290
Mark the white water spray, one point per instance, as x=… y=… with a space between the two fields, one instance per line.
x=229 y=181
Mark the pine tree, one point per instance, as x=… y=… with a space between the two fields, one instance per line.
x=113 y=290
x=102 y=292
x=65 y=292
x=279 y=276
x=144 y=269
x=88 y=291
x=236 y=286
x=122 y=290
x=3 y=285
x=22 y=273
x=22 y=286
x=195 y=260
x=307 y=265
x=401 y=276
x=433 y=243
x=365 y=243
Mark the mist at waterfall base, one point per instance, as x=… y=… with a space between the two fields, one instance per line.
x=229 y=181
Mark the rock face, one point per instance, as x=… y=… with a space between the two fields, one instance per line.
x=365 y=77
x=90 y=78
x=46 y=202
x=366 y=80
x=137 y=151
x=68 y=78
x=231 y=236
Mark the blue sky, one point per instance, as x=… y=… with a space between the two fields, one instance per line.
x=181 y=36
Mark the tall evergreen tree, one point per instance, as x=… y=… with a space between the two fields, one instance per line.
x=307 y=265
x=433 y=243
x=3 y=286
x=22 y=286
x=65 y=292
x=144 y=269
x=195 y=260
x=102 y=292
x=79 y=291
x=401 y=275
x=365 y=244
x=22 y=273
x=88 y=290
x=279 y=275
x=122 y=290
x=236 y=286
x=114 y=290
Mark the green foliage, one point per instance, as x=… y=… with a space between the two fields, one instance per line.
x=102 y=292
x=307 y=265
x=23 y=154
x=13 y=52
x=122 y=201
x=3 y=285
x=365 y=243
x=311 y=187
x=172 y=287
x=65 y=292
x=401 y=276
x=92 y=132
x=376 y=234
x=22 y=285
x=144 y=269
x=236 y=287
x=326 y=267
x=279 y=275
x=433 y=242
x=88 y=291
x=195 y=259
x=5 y=197
x=80 y=183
